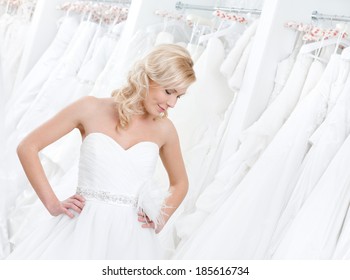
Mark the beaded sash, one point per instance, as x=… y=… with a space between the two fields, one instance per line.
x=107 y=197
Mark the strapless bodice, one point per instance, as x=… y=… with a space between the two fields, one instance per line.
x=105 y=166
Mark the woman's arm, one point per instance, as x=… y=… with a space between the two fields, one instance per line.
x=28 y=152
x=171 y=156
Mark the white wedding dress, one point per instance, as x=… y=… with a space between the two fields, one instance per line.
x=115 y=182
x=254 y=140
x=243 y=225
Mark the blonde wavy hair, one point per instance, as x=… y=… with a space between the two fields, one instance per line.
x=168 y=65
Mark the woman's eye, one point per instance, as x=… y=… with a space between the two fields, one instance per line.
x=167 y=91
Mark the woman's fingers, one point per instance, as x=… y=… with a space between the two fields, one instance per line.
x=77 y=203
x=79 y=198
x=148 y=225
x=68 y=213
x=143 y=218
x=70 y=205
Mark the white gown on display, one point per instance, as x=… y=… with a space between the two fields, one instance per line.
x=122 y=58
x=245 y=222
x=198 y=115
x=342 y=249
x=316 y=70
x=315 y=231
x=326 y=141
x=56 y=92
x=197 y=105
x=236 y=79
x=197 y=119
x=254 y=140
x=208 y=166
x=115 y=183
x=14 y=43
x=231 y=61
x=283 y=71
x=28 y=89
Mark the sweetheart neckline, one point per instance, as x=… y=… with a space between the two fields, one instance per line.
x=117 y=144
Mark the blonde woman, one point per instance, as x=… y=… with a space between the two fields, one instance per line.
x=116 y=211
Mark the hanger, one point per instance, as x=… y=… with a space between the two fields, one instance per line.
x=223 y=32
x=307 y=48
x=226 y=31
x=199 y=20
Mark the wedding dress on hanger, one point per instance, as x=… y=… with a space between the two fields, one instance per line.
x=326 y=141
x=55 y=93
x=28 y=89
x=283 y=71
x=253 y=142
x=122 y=58
x=208 y=165
x=13 y=47
x=235 y=81
x=322 y=218
x=342 y=249
x=251 y=212
x=316 y=70
x=231 y=61
x=204 y=104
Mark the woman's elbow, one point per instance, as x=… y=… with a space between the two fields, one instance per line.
x=24 y=147
x=21 y=148
x=183 y=187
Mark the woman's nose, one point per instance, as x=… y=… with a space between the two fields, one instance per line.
x=172 y=101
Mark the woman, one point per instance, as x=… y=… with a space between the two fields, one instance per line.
x=122 y=137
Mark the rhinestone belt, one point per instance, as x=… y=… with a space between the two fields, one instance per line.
x=107 y=197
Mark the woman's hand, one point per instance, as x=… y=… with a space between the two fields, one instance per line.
x=145 y=220
x=75 y=202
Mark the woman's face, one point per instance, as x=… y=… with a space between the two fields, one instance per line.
x=160 y=99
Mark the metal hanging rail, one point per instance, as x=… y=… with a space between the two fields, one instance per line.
x=316 y=15
x=111 y=1
x=182 y=6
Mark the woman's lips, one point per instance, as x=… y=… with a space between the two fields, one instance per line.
x=161 y=109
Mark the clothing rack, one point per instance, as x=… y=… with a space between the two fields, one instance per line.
x=111 y=1
x=316 y=15
x=183 y=6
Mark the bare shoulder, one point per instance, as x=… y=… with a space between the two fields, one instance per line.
x=94 y=111
x=90 y=106
x=168 y=130
x=87 y=103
